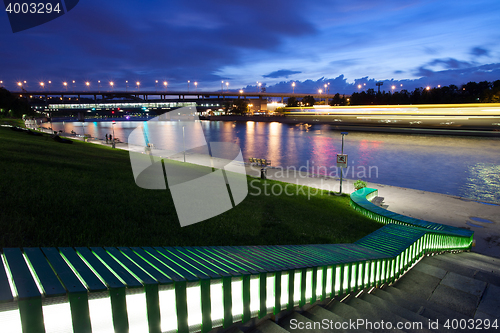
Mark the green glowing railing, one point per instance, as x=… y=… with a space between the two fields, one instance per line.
x=188 y=289
x=360 y=201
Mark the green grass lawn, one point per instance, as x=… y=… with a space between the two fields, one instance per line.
x=54 y=194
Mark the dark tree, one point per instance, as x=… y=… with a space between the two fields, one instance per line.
x=308 y=100
x=12 y=106
x=292 y=102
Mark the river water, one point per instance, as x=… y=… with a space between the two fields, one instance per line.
x=463 y=166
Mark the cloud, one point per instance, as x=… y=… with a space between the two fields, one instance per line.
x=281 y=73
x=398 y=72
x=450 y=63
x=479 y=52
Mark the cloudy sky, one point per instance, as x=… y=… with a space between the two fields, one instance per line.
x=415 y=43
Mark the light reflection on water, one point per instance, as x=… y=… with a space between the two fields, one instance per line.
x=462 y=166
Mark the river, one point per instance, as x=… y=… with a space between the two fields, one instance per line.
x=463 y=166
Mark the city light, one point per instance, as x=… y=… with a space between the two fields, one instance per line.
x=65 y=84
x=111 y=84
x=88 y=85
x=165 y=85
x=138 y=84
x=196 y=86
x=42 y=85
x=241 y=91
x=428 y=88
x=293 y=87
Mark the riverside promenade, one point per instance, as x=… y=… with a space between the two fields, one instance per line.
x=482 y=218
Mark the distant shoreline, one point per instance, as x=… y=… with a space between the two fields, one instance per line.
x=486 y=131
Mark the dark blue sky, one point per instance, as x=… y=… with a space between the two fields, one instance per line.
x=414 y=43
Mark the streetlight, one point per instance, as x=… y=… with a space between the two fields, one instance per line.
x=138 y=85
x=428 y=88
x=88 y=85
x=293 y=87
x=42 y=85
x=99 y=85
x=73 y=85
x=20 y=84
x=65 y=84
x=188 y=84
x=342 y=152
x=1 y=83
x=156 y=85
x=227 y=86
x=113 y=139
x=260 y=84
x=320 y=91
x=112 y=85
x=196 y=86
x=165 y=85
x=241 y=91
x=222 y=85
x=126 y=85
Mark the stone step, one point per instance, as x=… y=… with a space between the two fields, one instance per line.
x=377 y=315
x=318 y=313
x=467 y=264
x=489 y=307
x=409 y=315
x=296 y=322
x=268 y=326
x=418 y=305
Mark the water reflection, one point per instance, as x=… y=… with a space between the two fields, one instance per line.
x=462 y=166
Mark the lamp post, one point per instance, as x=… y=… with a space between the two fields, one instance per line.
x=196 y=86
x=342 y=152
x=260 y=84
x=156 y=86
x=113 y=139
x=222 y=85
x=126 y=85
x=293 y=87
x=165 y=85
x=50 y=83
x=188 y=84
x=65 y=84
x=20 y=84
x=42 y=85
x=88 y=85
x=320 y=91
x=138 y=85
x=112 y=85
x=99 y=86
x=227 y=86
x=73 y=85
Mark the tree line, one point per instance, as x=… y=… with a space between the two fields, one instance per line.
x=13 y=106
x=472 y=92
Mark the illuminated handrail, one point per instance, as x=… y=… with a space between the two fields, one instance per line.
x=188 y=289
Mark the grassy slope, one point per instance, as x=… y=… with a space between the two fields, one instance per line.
x=54 y=194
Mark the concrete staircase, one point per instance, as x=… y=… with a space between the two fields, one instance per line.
x=461 y=288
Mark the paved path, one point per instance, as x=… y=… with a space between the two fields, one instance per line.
x=434 y=207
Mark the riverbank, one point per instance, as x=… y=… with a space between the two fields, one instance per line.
x=84 y=194
x=481 y=217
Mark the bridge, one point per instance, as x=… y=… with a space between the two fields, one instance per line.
x=147 y=95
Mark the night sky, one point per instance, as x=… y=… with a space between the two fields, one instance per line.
x=415 y=43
